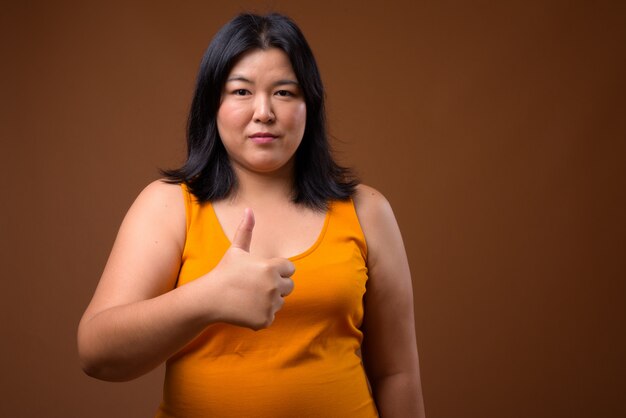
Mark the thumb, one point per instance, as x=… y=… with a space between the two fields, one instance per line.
x=243 y=235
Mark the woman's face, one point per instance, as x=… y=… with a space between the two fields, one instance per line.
x=262 y=113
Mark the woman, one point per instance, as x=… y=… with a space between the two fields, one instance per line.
x=247 y=269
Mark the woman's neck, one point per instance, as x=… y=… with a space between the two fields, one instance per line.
x=261 y=188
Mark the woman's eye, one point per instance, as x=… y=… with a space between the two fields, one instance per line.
x=284 y=93
x=240 y=92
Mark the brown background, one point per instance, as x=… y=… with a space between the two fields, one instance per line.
x=496 y=129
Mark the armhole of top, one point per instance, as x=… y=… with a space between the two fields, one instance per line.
x=357 y=221
x=187 y=198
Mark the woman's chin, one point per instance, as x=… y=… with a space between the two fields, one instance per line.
x=268 y=167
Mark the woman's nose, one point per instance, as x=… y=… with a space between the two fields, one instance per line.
x=263 y=111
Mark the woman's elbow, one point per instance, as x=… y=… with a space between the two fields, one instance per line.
x=95 y=363
x=104 y=370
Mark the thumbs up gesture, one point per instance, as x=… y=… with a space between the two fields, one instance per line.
x=251 y=289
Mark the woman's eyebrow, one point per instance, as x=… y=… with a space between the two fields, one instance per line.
x=276 y=83
x=238 y=78
x=283 y=82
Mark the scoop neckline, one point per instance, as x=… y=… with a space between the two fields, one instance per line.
x=313 y=247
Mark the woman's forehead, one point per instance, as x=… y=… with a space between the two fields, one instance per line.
x=262 y=63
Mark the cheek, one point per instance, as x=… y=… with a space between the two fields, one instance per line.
x=231 y=117
x=297 y=118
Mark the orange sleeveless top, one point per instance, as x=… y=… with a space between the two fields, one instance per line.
x=306 y=364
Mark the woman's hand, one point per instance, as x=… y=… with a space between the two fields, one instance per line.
x=250 y=288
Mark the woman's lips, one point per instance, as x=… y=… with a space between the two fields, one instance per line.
x=262 y=137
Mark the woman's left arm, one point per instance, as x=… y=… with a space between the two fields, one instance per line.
x=389 y=345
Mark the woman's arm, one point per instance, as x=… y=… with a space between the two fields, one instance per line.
x=133 y=321
x=137 y=319
x=389 y=345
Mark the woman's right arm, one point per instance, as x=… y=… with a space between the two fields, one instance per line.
x=137 y=319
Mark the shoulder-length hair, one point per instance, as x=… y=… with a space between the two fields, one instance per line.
x=207 y=171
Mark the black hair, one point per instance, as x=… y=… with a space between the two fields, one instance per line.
x=207 y=171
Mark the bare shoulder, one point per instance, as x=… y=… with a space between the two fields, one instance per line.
x=160 y=206
x=161 y=193
x=373 y=209
x=376 y=218
x=161 y=196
